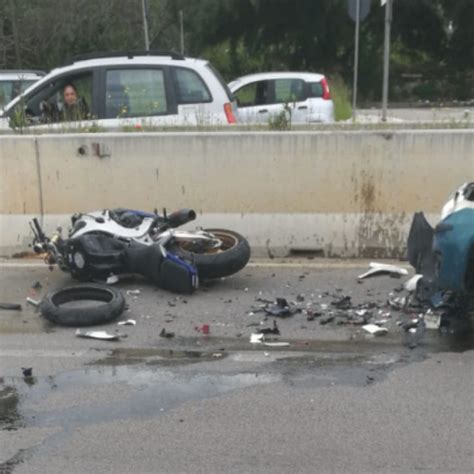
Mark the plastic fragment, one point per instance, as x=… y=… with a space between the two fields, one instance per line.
x=102 y=335
x=376 y=268
x=128 y=322
x=375 y=330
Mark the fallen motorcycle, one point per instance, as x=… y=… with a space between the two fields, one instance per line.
x=111 y=242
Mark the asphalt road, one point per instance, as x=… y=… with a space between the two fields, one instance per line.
x=335 y=400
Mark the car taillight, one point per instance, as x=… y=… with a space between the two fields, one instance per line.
x=326 y=92
x=229 y=113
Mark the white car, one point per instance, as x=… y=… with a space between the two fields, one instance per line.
x=305 y=97
x=14 y=82
x=134 y=89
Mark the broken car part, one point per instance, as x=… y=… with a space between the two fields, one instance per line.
x=382 y=269
x=445 y=253
x=107 y=304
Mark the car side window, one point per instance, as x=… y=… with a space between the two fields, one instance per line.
x=289 y=90
x=190 y=88
x=6 y=92
x=315 y=89
x=135 y=93
x=255 y=93
x=47 y=105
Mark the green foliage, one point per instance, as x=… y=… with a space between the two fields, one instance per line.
x=341 y=96
x=282 y=120
x=246 y=36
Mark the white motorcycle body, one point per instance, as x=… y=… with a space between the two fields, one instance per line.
x=101 y=222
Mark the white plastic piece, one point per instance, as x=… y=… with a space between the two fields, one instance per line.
x=32 y=302
x=375 y=330
x=432 y=320
x=102 y=335
x=410 y=285
x=276 y=344
x=133 y=292
x=112 y=280
x=376 y=268
x=256 y=338
x=128 y=322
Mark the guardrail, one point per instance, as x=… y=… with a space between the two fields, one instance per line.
x=327 y=193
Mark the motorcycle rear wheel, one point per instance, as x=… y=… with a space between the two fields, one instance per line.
x=230 y=257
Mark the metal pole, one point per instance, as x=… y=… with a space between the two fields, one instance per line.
x=181 y=29
x=145 y=24
x=356 y=61
x=386 y=58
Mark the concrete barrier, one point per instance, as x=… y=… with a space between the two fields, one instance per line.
x=327 y=193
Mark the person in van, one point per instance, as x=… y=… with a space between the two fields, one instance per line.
x=74 y=106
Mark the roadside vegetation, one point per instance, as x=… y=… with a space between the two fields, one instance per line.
x=432 y=41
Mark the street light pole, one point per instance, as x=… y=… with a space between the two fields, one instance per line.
x=386 y=58
x=356 y=61
x=145 y=24
x=181 y=30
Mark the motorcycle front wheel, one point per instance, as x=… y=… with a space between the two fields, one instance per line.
x=228 y=258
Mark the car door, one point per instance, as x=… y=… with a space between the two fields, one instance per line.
x=43 y=107
x=253 y=102
x=137 y=96
x=289 y=94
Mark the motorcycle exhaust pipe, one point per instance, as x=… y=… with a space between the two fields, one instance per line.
x=181 y=217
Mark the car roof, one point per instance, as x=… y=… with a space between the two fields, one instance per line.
x=16 y=74
x=261 y=76
x=125 y=60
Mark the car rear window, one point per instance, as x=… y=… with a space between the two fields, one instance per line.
x=315 y=89
x=289 y=90
x=135 y=93
x=221 y=81
x=190 y=88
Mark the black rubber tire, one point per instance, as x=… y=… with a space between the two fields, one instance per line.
x=221 y=264
x=113 y=304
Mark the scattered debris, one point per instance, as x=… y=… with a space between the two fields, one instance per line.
x=326 y=319
x=343 y=302
x=27 y=371
x=11 y=306
x=432 y=320
x=398 y=303
x=36 y=286
x=281 y=308
x=102 y=335
x=133 y=292
x=273 y=330
x=166 y=334
x=205 y=328
x=276 y=344
x=300 y=297
x=128 y=322
x=375 y=330
x=32 y=302
x=383 y=269
x=112 y=280
x=412 y=283
x=256 y=338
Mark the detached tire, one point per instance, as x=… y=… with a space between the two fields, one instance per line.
x=112 y=304
x=233 y=255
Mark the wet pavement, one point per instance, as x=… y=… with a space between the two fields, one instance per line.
x=335 y=400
